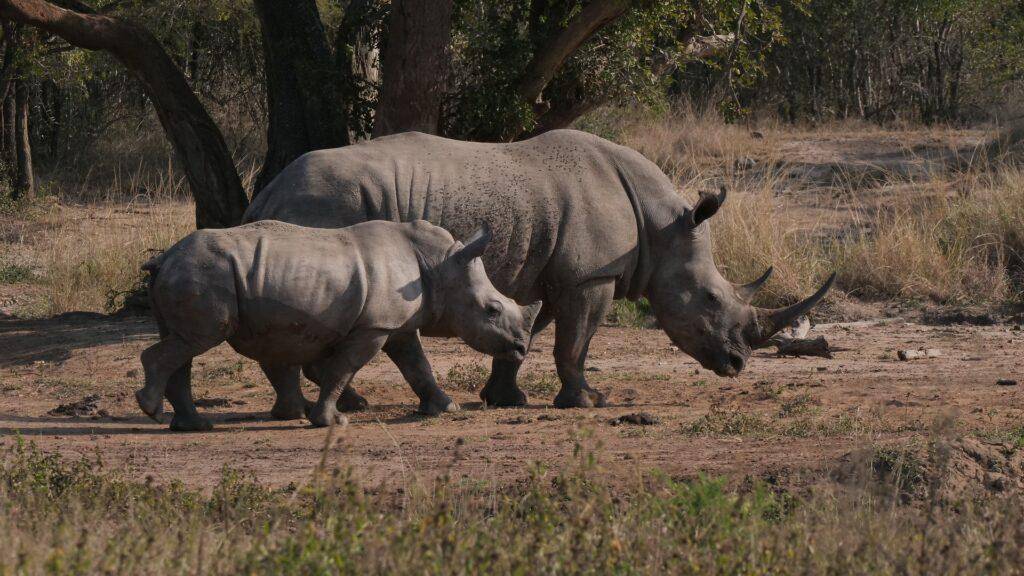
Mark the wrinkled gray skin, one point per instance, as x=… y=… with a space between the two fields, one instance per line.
x=323 y=300
x=578 y=222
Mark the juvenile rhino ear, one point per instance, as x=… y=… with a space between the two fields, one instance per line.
x=706 y=206
x=476 y=244
x=530 y=314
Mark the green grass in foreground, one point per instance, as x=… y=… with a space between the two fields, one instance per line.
x=73 y=518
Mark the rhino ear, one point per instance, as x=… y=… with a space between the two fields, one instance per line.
x=530 y=314
x=706 y=206
x=476 y=244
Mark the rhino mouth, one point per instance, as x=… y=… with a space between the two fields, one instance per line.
x=516 y=353
x=728 y=362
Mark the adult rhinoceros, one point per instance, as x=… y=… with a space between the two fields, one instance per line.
x=578 y=222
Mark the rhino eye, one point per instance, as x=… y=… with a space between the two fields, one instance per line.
x=712 y=298
x=493 y=309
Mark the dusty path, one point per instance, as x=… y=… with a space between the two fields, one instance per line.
x=780 y=416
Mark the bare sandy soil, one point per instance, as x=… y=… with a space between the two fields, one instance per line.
x=781 y=417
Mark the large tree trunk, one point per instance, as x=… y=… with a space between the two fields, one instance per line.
x=359 y=61
x=216 y=187
x=415 y=67
x=304 y=93
x=24 y=180
x=10 y=141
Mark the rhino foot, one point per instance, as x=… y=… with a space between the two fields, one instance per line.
x=151 y=402
x=351 y=401
x=437 y=405
x=325 y=415
x=582 y=398
x=289 y=410
x=507 y=396
x=190 y=423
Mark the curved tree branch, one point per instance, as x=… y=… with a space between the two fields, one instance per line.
x=216 y=187
x=550 y=56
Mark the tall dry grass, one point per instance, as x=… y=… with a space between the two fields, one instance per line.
x=92 y=254
x=940 y=236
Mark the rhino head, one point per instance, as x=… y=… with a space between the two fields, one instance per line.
x=704 y=314
x=475 y=310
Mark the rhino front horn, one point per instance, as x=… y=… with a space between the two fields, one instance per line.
x=747 y=291
x=775 y=320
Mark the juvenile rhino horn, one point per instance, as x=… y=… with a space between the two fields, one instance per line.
x=775 y=320
x=747 y=291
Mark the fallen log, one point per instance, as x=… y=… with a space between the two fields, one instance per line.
x=804 y=347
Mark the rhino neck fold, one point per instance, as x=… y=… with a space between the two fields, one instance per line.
x=655 y=210
x=432 y=311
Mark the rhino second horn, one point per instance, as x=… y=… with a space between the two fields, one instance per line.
x=747 y=291
x=775 y=320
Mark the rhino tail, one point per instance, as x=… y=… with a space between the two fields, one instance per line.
x=153 y=264
x=153 y=267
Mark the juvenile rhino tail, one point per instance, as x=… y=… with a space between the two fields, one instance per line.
x=153 y=264
x=153 y=267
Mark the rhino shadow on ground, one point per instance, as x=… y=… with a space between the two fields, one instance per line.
x=25 y=341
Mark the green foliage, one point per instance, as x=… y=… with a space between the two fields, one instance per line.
x=630 y=62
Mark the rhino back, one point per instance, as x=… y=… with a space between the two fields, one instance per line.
x=556 y=203
x=287 y=290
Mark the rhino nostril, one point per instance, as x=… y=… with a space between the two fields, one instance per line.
x=520 y=348
x=737 y=362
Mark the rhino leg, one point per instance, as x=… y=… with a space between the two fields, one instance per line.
x=335 y=373
x=501 y=389
x=577 y=315
x=179 y=393
x=160 y=362
x=406 y=352
x=290 y=403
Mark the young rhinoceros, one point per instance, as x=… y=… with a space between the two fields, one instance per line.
x=325 y=299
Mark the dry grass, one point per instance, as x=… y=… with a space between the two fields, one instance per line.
x=941 y=236
x=945 y=237
x=887 y=515
x=88 y=257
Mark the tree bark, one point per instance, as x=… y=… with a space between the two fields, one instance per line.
x=10 y=157
x=304 y=93
x=216 y=187
x=414 y=67
x=24 y=181
x=550 y=56
x=359 y=61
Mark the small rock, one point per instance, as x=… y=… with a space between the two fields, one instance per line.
x=745 y=163
x=1006 y=382
x=133 y=373
x=593 y=369
x=757 y=135
x=906 y=355
x=547 y=417
x=639 y=418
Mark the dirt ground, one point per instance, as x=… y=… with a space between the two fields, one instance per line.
x=781 y=417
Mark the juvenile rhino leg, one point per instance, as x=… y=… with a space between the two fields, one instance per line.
x=577 y=316
x=501 y=389
x=333 y=374
x=160 y=361
x=406 y=352
x=290 y=403
x=179 y=393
